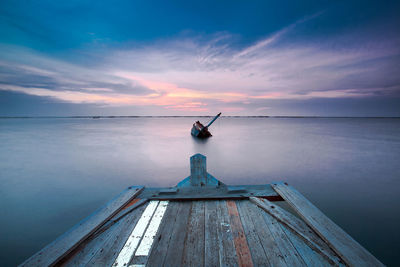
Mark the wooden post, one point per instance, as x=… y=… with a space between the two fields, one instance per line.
x=198 y=170
x=199 y=177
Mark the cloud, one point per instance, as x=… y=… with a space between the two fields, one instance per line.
x=39 y=75
x=205 y=72
x=254 y=49
x=295 y=71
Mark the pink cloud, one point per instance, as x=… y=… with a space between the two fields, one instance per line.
x=186 y=75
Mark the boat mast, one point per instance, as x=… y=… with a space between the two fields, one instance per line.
x=211 y=122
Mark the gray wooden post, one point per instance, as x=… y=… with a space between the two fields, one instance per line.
x=198 y=170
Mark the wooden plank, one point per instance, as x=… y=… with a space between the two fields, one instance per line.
x=127 y=210
x=86 y=251
x=291 y=256
x=142 y=252
x=161 y=242
x=299 y=227
x=213 y=193
x=239 y=237
x=131 y=203
x=147 y=241
x=111 y=248
x=63 y=245
x=345 y=246
x=211 y=248
x=271 y=248
x=256 y=249
x=236 y=189
x=309 y=256
x=193 y=254
x=198 y=197
x=168 y=191
x=227 y=251
x=175 y=250
x=136 y=236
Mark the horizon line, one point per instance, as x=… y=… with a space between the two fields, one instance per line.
x=189 y=116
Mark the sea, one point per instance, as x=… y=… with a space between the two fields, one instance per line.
x=56 y=171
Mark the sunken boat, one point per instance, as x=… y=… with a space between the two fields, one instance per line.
x=201 y=131
x=204 y=222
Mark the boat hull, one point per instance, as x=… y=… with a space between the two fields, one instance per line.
x=199 y=131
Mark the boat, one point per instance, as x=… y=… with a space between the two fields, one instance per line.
x=201 y=131
x=204 y=222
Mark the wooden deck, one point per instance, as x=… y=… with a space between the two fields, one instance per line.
x=199 y=233
x=219 y=226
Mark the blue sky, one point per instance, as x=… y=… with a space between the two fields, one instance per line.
x=327 y=58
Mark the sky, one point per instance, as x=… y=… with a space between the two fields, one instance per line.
x=134 y=57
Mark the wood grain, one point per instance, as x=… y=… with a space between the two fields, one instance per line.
x=161 y=242
x=193 y=254
x=211 y=249
x=258 y=255
x=239 y=237
x=300 y=228
x=63 y=245
x=344 y=245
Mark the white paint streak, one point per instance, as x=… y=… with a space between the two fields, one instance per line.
x=147 y=241
x=131 y=244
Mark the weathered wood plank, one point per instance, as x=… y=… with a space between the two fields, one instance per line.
x=63 y=245
x=136 y=236
x=309 y=256
x=193 y=254
x=299 y=227
x=142 y=252
x=86 y=251
x=345 y=246
x=271 y=249
x=256 y=249
x=111 y=248
x=161 y=241
x=134 y=204
x=131 y=203
x=212 y=193
x=227 y=251
x=239 y=237
x=291 y=256
x=211 y=249
x=147 y=241
x=174 y=255
x=131 y=207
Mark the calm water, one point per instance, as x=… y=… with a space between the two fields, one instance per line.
x=54 y=172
